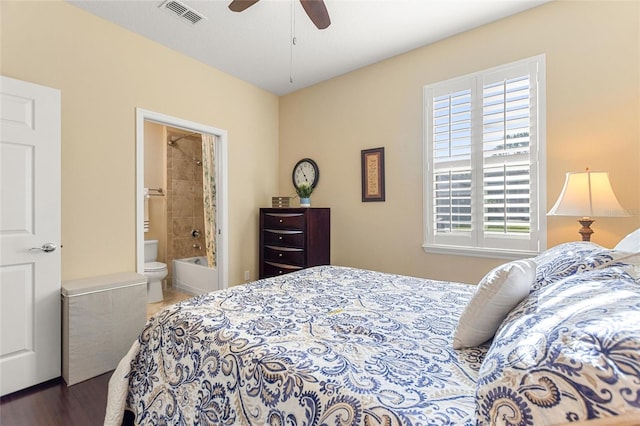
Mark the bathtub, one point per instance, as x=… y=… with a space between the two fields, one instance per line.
x=192 y=275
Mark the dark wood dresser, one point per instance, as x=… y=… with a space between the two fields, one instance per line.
x=292 y=239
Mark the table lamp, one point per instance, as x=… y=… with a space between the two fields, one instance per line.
x=587 y=194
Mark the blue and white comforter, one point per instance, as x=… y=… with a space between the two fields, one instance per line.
x=326 y=345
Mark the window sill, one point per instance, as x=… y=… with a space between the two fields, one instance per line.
x=493 y=253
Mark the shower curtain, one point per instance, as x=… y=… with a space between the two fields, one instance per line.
x=209 y=196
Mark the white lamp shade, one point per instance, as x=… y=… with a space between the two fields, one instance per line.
x=587 y=194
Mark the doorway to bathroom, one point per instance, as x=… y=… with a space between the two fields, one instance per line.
x=170 y=200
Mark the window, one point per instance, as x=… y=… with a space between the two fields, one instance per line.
x=484 y=180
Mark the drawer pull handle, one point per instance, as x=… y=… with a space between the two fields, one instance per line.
x=279 y=254
x=280 y=220
x=280 y=272
x=279 y=238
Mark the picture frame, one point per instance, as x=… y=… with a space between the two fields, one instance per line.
x=372 y=167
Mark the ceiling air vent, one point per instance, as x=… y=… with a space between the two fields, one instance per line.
x=182 y=11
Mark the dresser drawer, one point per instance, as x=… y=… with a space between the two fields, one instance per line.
x=288 y=255
x=272 y=269
x=284 y=220
x=276 y=237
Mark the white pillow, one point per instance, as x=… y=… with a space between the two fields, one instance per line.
x=630 y=243
x=496 y=295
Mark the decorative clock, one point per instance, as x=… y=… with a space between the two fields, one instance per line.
x=305 y=170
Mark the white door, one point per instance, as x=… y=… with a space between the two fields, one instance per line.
x=29 y=234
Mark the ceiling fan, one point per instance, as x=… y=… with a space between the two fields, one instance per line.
x=316 y=10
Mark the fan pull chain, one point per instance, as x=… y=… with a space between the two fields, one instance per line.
x=293 y=41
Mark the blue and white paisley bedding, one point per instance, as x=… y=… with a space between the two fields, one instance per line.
x=569 y=352
x=324 y=346
x=567 y=259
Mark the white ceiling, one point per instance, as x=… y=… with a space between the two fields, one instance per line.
x=255 y=45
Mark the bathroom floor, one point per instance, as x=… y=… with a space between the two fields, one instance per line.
x=171 y=297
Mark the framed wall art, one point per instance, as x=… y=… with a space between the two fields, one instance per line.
x=372 y=161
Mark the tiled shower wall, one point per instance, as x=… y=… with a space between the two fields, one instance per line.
x=185 y=208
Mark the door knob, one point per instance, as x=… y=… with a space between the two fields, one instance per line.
x=46 y=247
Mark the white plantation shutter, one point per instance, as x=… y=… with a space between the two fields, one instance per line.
x=484 y=162
x=452 y=160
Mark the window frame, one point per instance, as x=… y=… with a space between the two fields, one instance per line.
x=478 y=242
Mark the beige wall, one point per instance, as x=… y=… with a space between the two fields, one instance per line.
x=155 y=176
x=593 y=119
x=104 y=72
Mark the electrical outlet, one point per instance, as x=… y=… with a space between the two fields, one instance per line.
x=247 y=276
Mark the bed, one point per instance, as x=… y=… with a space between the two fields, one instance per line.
x=333 y=345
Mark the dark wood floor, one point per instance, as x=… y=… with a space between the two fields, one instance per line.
x=53 y=403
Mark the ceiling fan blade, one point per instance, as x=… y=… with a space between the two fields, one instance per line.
x=240 y=5
x=317 y=12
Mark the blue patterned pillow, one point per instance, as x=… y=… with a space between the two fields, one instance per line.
x=569 y=352
x=567 y=259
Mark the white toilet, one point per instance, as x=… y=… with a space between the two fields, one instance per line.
x=154 y=271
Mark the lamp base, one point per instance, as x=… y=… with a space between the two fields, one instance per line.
x=586 y=230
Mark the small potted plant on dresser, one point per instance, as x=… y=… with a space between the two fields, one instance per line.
x=304 y=191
